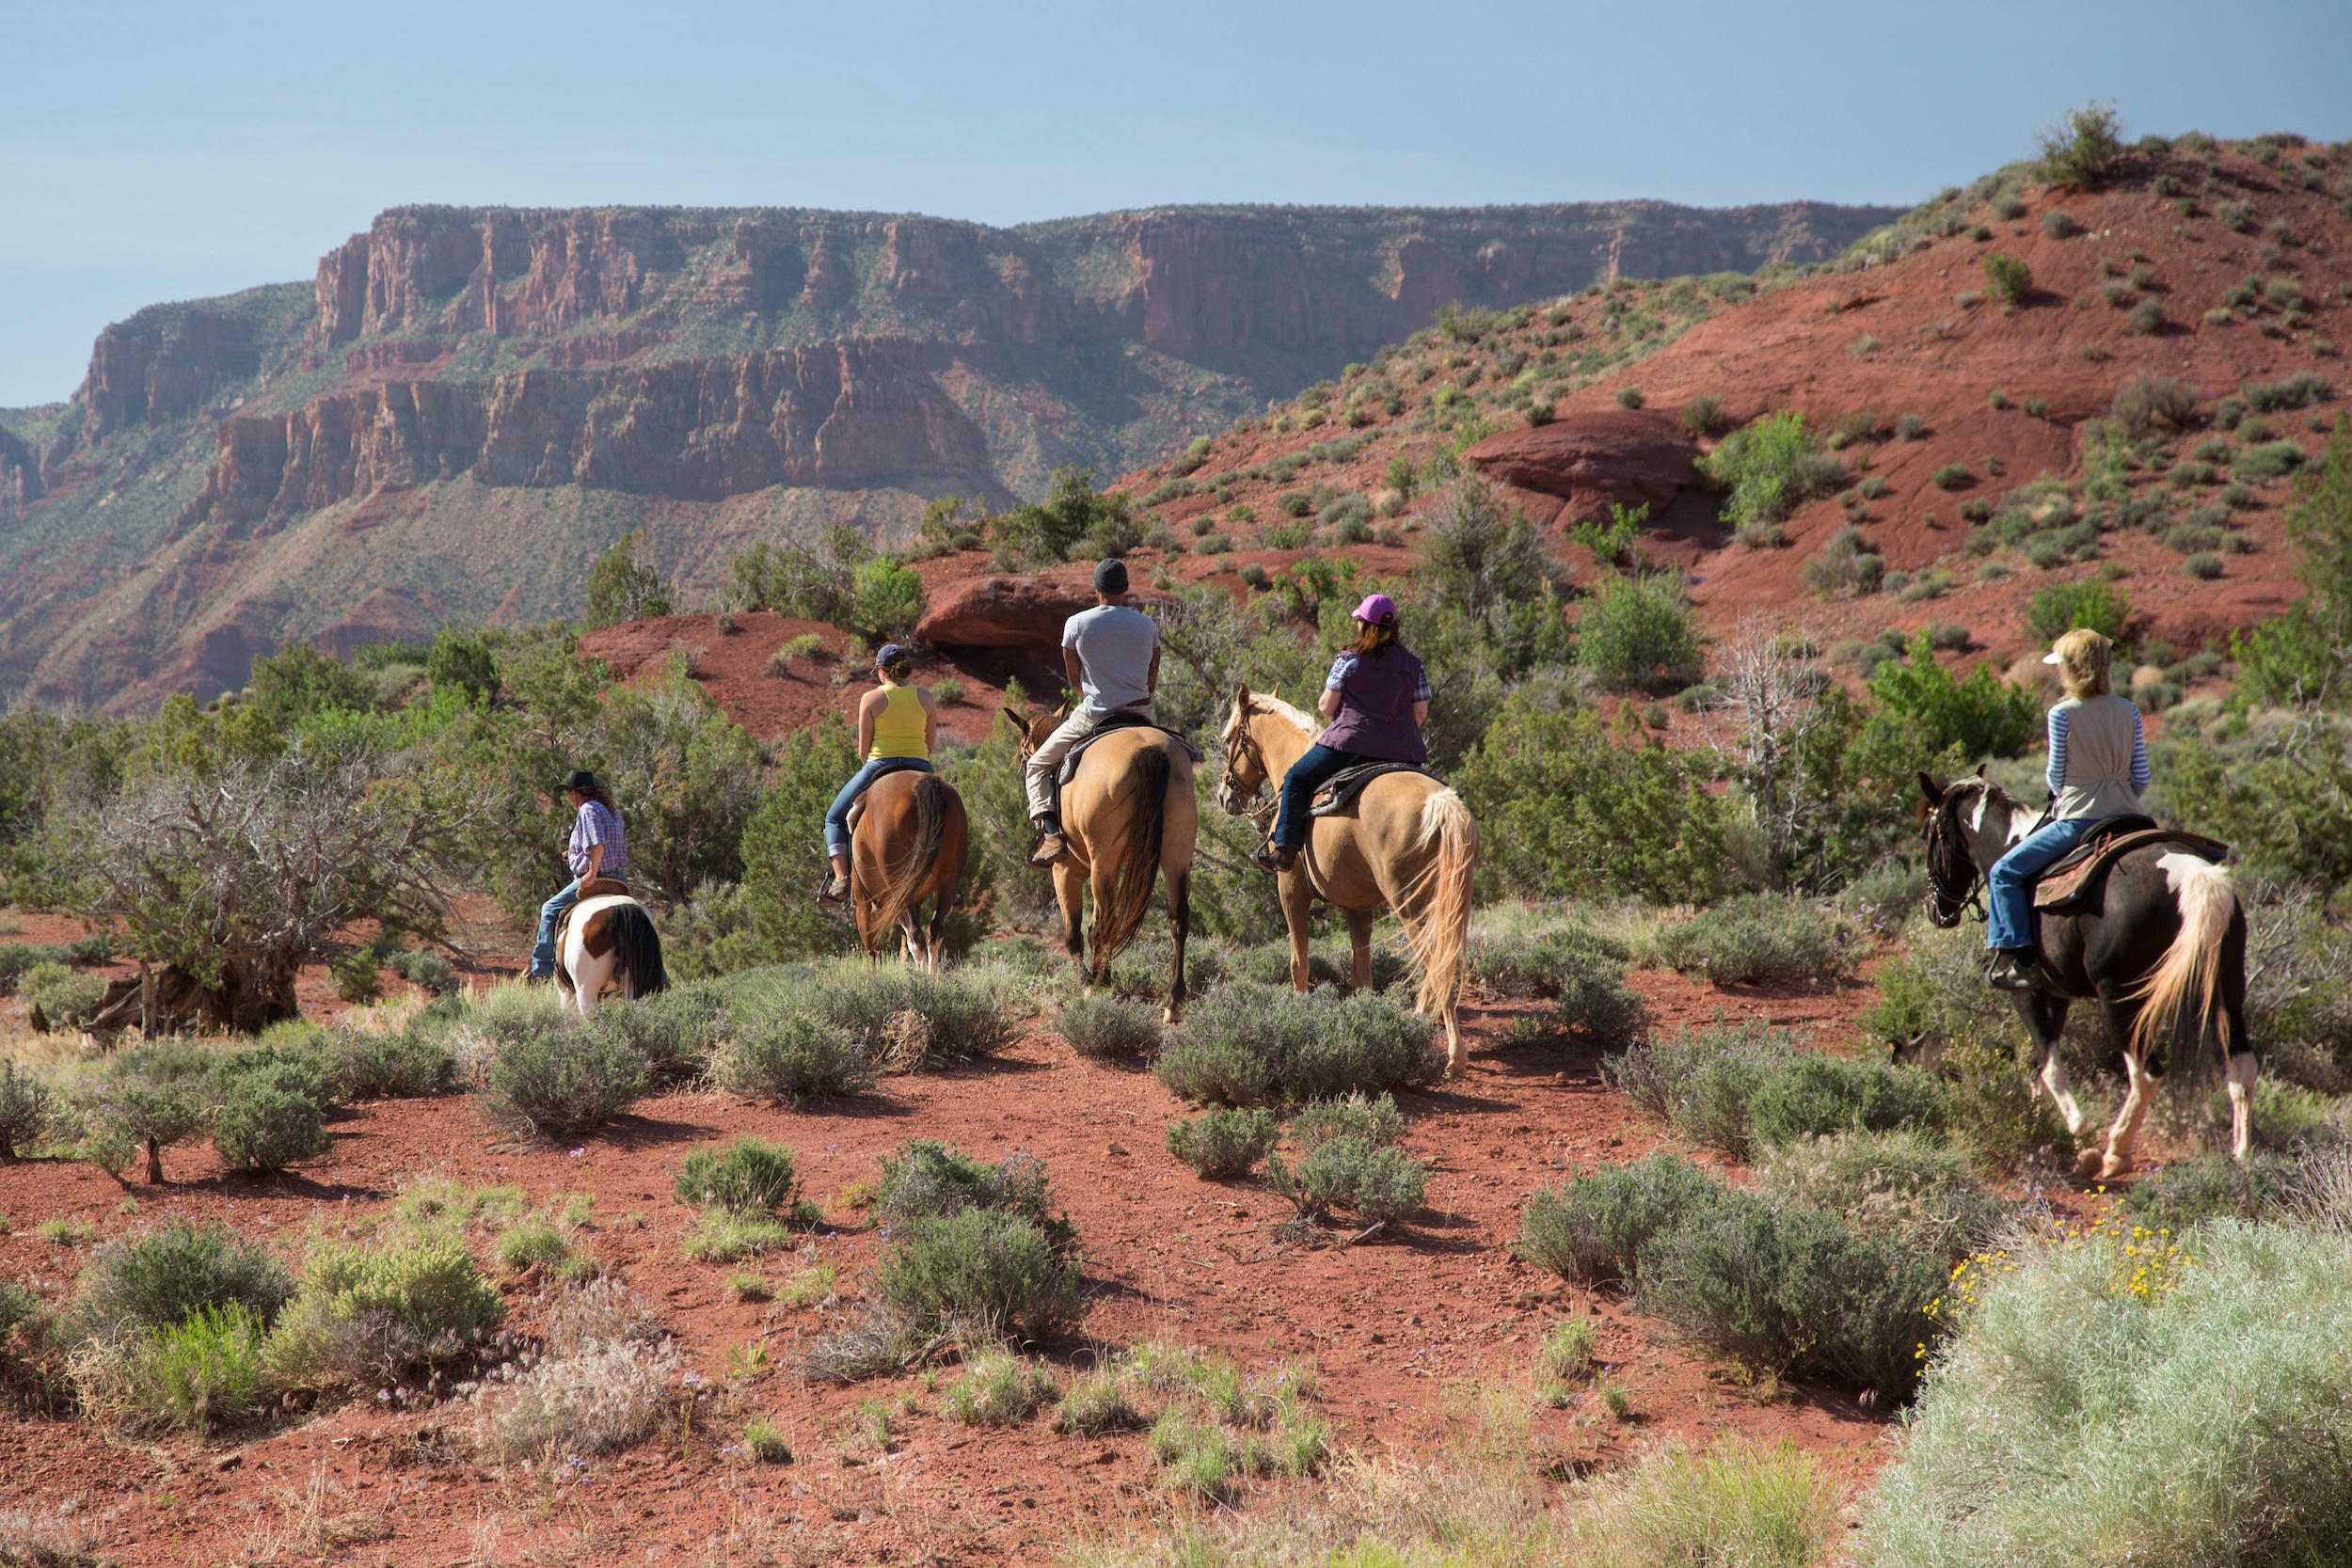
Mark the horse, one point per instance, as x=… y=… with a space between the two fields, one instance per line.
x=1411 y=846
x=608 y=943
x=1127 y=816
x=2167 y=939
x=908 y=841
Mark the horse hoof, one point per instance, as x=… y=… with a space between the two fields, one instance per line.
x=2087 y=1164
x=1170 y=1017
x=2112 y=1167
x=1457 y=1070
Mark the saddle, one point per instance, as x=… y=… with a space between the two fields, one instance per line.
x=2074 y=882
x=1116 y=721
x=1337 y=798
x=857 y=807
x=599 y=941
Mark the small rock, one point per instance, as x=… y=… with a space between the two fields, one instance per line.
x=228 y=1462
x=1118 y=1148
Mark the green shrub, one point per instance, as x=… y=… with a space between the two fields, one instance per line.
x=1375 y=1121
x=541 y=1243
x=199 y=1375
x=1638 y=633
x=156 y=1281
x=2062 y=607
x=1847 y=564
x=2182 y=1418
x=1702 y=414
x=1901 y=1183
x=991 y=1269
x=1247 y=1043
x=1703 y=1083
x=2153 y=402
x=2253 y=465
x=794 y=1057
x=1592 y=1227
x=360 y=1066
x=1820 y=1094
x=1953 y=476
x=2082 y=150
x=18 y=957
x=1222 y=1143
x=749 y=1176
x=64 y=998
x=423 y=967
x=1925 y=711
x=1105 y=1027
x=26 y=1109
x=1759 y=938
x=1383 y=1186
x=364 y=1312
x=1629 y=396
x=930 y=1181
x=1579 y=968
x=2148 y=317
x=2006 y=278
x=565 y=1080
x=999 y=1390
x=1790 y=1290
x=264 y=1124
x=141 y=1116
x=2173 y=1198
x=1768 y=468
x=1996 y=1112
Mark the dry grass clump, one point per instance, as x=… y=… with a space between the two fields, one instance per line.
x=599 y=1401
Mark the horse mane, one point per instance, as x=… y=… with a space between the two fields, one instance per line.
x=1266 y=701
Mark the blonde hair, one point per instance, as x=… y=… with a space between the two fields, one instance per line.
x=2082 y=655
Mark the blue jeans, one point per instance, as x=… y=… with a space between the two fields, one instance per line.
x=1306 y=775
x=543 y=955
x=2008 y=886
x=838 y=819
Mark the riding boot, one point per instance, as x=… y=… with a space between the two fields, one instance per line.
x=2022 y=972
x=1273 y=858
x=1049 y=843
x=836 y=890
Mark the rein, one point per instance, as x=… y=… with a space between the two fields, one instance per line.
x=1950 y=866
x=1243 y=747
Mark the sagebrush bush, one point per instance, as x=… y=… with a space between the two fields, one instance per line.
x=204 y=1373
x=931 y=1181
x=1791 y=1289
x=1222 y=1143
x=2006 y=278
x=1580 y=969
x=1814 y=1094
x=25 y=1108
x=793 y=1057
x=1900 y=1182
x=364 y=1312
x=2153 y=402
x=2190 y=1418
x=597 y=1402
x=992 y=1271
x=1247 y=1043
x=565 y=1080
x=1103 y=1025
x=62 y=997
x=1638 y=633
x=966 y=1011
x=1590 y=1230
x=264 y=1125
x=1759 y=938
x=998 y=1389
x=156 y=1279
x=1375 y=1119
x=362 y=1065
x=2211 y=1187
x=1703 y=1082
x=750 y=1176
x=1383 y=1185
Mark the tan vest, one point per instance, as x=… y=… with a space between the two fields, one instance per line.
x=2099 y=732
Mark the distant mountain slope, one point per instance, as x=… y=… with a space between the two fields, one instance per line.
x=466 y=405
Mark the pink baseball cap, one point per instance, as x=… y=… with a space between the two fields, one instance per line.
x=1375 y=609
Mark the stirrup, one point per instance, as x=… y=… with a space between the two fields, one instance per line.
x=2022 y=972
x=1270 y=858
x=836 y=891
x=1049 y=849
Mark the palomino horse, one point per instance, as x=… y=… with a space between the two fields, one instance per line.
x=2167 y=932
x=908 y=843
x=1128 y=816
x=607 y=944
x=1411 y=846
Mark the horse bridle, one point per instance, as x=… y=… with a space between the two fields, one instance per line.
x=1951 y=866
x=1244 y=747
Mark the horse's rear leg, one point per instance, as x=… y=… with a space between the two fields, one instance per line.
x=1180 y=926
x=1298 y=899
x=2123 y=1133
x=1070 y=892
x=935 y=948
x=1359 y=924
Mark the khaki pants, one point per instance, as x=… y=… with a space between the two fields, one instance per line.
x=1046 y=760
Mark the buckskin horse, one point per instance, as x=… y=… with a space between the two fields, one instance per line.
x=909 y=838
x=2155 y=939
x=1128 y=816
x=607 y=943
x=1410 y=845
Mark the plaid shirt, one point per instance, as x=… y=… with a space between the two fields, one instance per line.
x=597 y=823
x=1342 y=666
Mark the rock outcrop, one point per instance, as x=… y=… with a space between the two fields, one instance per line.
x=1593 y=461
x=1008 y=610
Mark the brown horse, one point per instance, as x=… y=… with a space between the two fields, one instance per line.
x=1411 y=846
x=907 y=842
x=1128 y=816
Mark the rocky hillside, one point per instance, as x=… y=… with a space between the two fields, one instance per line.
x=2135 y=413
x=466 y=405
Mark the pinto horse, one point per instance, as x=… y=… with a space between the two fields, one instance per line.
x=2166 y=941
x=1411 y=846
x=908 y=841
x=607 y=944
x=1129 y=816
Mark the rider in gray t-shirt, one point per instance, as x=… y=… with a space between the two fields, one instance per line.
x=1112 y=654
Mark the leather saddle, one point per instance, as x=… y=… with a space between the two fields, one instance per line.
x=2074 y=882
x=857 y=807
x=1112 y=725
x=1337 y=798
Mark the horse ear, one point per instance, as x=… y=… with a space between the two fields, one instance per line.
x=1019 y=731
x=1929 y=788
x=1980 y=771
x=1241 y=695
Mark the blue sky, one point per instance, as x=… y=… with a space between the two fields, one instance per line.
x=166 y=151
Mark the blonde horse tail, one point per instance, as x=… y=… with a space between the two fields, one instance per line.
x=913 y=871
x=1135 y=858
x=1441 y=934
x=2190 y=967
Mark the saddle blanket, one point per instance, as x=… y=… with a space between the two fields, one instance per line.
x=2075 y=878
x=1112 y=725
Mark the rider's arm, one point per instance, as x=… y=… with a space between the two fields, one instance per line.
x=595 y=859
x=2056 y=775
x=867 y=707
x=1328 y=704
x=1074 y=673
x=2139 y=756
x=1421 y=714
x=1151 y=681
x=931 y=718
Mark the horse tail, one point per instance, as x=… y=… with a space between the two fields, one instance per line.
x=1439 y=937
x=637 y=946
x=1134 y=857
x=913 y=870
x=2191 y=967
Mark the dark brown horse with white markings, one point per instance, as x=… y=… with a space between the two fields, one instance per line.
x=907 y=842
x=2166 y=943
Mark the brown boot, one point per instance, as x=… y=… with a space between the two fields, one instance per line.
x=2022 y=972
x=1049 y=849
x=1270 y=858
x=836 y=891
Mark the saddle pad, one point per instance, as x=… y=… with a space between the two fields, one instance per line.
x=603 y=887
x=2075 y=877
x=1338 y=794
x=1112 y=726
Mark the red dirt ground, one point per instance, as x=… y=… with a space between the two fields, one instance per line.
x=1402 y=1330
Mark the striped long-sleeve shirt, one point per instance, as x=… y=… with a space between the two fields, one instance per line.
x=2057 y=752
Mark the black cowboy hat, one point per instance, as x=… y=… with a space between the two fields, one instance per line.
x=581 y=780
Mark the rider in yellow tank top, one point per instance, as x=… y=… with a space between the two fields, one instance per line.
x=895 y=723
